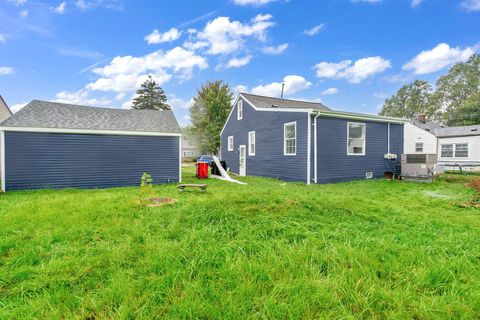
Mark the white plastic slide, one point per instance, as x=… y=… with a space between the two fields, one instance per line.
x=224 y=174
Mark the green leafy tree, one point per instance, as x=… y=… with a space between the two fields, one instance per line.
x=468 y=113
x=209 y=111
x=454 y=88
x=150 y=97
x=411 y=100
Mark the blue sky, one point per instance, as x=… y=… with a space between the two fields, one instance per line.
x=349 y=54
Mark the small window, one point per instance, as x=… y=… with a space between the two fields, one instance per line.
x=239 y=110
x=230 y=143
x=290 y=139
x=419 y=147
x=356 y=139
x=447 y=150
x=251 y=143
x=461 y=150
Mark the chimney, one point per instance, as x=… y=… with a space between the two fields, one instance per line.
x=422 y=117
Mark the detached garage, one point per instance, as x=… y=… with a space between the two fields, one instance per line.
x=56 y=145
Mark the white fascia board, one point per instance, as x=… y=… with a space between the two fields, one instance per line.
x=335 y=114
x=90 y=131
x=230 y=114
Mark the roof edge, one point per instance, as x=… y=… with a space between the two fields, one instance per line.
x=88 y=131
x=6 y=105
x=363 y=116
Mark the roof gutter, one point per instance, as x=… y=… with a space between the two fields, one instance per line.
x=357 y=116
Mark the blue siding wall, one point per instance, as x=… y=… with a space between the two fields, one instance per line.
x=51 y=160
x=334 y=165
x=269 y=160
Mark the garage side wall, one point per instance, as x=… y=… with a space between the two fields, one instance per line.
x=54 y=160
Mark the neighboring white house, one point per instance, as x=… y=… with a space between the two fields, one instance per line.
x=189 y=148
x=459 y=145
x=419 y=138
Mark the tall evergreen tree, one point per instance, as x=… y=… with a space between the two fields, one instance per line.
x=150 y=97
x=209 y=111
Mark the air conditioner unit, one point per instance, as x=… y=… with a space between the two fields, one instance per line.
x=419 y=166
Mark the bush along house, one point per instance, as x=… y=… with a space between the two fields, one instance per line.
x=308 y=142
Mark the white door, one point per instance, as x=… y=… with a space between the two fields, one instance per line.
x=242 y=160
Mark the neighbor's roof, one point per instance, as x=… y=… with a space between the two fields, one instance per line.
x=428 y=125
x=45 y=114
x=269 y=102
x=458 y=131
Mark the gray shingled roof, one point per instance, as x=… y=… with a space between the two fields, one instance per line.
x=45 y=114
x=428 y=125
x=458 y=131
x=269 y=102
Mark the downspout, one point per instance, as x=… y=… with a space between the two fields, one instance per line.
x=388 y=135
x=309 y=143
x=315 y=174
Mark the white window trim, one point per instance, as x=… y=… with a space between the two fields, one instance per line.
x=230 y=148
x=240 y=110
x=364 y=138
x=250 y=143
x=453 y=150
x=285 y=140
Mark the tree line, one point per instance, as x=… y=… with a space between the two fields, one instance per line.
x=455 y=100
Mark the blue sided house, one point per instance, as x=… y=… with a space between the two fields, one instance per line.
x=56 y=145
x=308 y=142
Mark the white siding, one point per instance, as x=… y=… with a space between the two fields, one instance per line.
x=413 y=134
x=473 y=149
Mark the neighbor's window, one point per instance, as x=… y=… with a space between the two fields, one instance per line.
x=239 y=110
x=251 y=143
x=419 y=147
x=461 y=150
x=230 y=143
x=290 y=139
x=447 y=150
x=356 y=138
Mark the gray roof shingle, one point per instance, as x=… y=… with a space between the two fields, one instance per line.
x=269 y=102
x=428 y=125
x=458 y=131
x=45 y=114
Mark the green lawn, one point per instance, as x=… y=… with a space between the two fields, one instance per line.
x=365 y=249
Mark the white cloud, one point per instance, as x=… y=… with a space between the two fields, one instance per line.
x=415 y=3
x=126 y=73
x=17 y=107
x=156 y=37
x=330 y=91
x=252 y=2
x=314 y=30
x=23 y=13
x=275 y=50
x=238 y=62
x=222 y=36
x=353 y=73
x=83 y=5
x=18 y=2
x=471 y=5
x=440 y=57
x=81 y=97
x=80 y=53
x=6 y=70
x=60 y=9
x=240 y=88
x=293 y=84
x=179 y=103
x=2 y=39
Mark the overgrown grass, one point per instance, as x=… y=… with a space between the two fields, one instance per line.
x=365 y=249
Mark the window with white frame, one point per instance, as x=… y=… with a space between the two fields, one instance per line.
x=356 y=138
x=251 y=143
x=447 y=151
x=230 y=143
x=239 y=110
x=419 y=147
x=290 y=139
x=461 y=150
